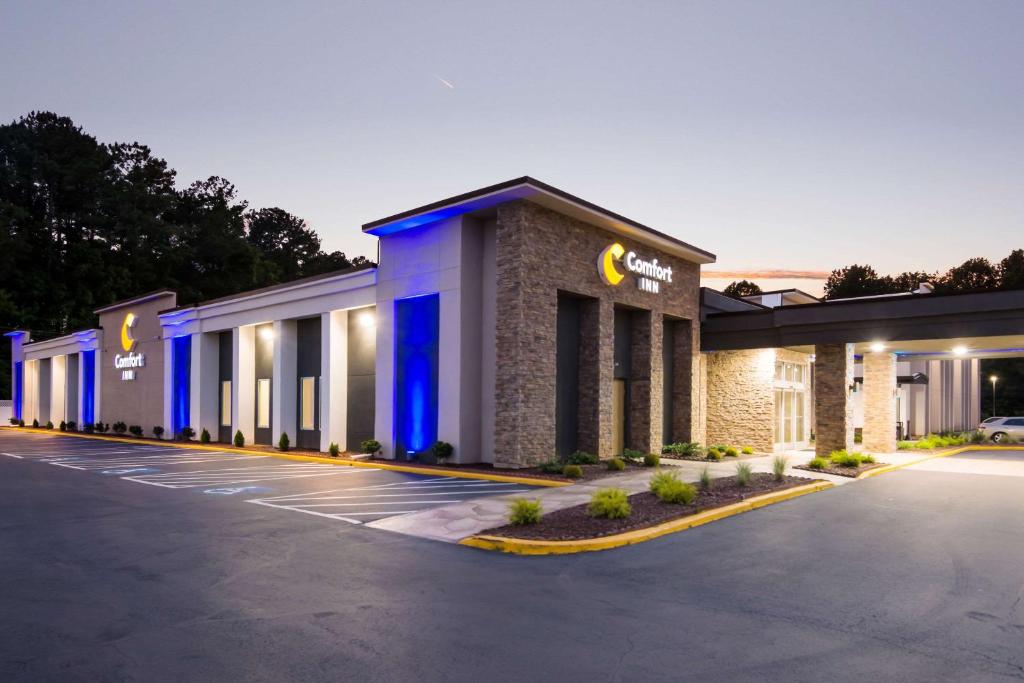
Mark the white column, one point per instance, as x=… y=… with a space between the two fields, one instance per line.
x=243 y=383
x=284 y=386
x=58 y=389
x=204 y=383
x=169 y=387
x=385 y=377
x=30 y=397
x=334 y=380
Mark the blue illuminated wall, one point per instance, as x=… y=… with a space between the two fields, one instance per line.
x=19 y=384
x=88 y=387
x=416 y=342
x=181 y=375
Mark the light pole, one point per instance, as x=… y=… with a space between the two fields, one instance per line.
x=994 y=379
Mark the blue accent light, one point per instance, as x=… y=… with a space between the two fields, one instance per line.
x=181 y=375
x=417 y=327
x=88 y=387
x=19 y=383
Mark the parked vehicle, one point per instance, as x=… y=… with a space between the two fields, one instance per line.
x=1003 y=429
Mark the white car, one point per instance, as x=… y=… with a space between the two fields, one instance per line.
x=999 y=428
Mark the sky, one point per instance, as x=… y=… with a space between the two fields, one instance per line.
x=785 y=137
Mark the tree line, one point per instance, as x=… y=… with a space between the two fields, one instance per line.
x=85 y=223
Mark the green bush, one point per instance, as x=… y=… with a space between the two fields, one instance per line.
x=204 y=436
x=371 y=446
x=844 y=459
x=866 y=459
x=684 y=449
x=72 y=426
x=136 y=430
x=582 y=458
x=976 y=436
x=743 y=473
x=904 y=445
x=49 y=425
x=239 y=439
x=442 y=450
x=553 y=466
x=21 y=423
x=731 y=452
x=35 y=424
x=158 y=432
x=283 y=443
x=747 y=450
x=88 y=428
x=120 y=427
x=616 y=464
x=63 y=426
x=705 y=478
x=715 y=454
x=610 y=504
x=818 y=463
x=652 y=460
x=522 y=511
x=13 y=421
x=186 y=433
x=333 y=450
x=572 y=472
x=670 y=489
x=779 y=467
x=632 y=455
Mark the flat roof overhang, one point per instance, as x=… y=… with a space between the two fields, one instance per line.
x=544 y=195
x=928 y=325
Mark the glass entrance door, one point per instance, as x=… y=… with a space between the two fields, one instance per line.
x=789 y=418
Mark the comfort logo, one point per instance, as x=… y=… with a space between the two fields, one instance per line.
x=606 y=264
x=127 y=340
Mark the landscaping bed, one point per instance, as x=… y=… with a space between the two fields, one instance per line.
x=837 y=470
x=590 y=472
x=575 y=523
x=704 y=458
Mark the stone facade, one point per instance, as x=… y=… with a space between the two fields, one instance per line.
x=833 y=409
x=879 y=402
x=540 y=253
x=740 y=398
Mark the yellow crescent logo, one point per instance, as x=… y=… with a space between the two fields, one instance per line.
x=127 y=341
x=606 y=264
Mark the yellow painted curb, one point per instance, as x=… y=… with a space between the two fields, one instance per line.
x=941 y=454
x=523 y=546
x=411 y=469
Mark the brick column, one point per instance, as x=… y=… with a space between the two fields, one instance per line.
x=644 y=410
x=879 y=402
x=833 y=410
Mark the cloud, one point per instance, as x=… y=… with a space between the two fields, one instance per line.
x=766 y=274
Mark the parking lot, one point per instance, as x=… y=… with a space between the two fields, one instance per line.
x=353 y=495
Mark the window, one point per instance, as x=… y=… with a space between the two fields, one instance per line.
x=225 y=403
x=793 y=373
x=1014 y=422
x=307 y=403
x=263 y=403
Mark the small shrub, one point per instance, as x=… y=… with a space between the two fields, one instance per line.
x=610 y=504
x=867 y=459
x=715 y=454
x=818 y=463
x=136 y=430
x=705 y=478
x=616 y=465
x=158 y=432
x=632 y=455
x=186 y=433
x=333 y=450
x=553 y=466
x=120 y=427
x=102 y=427
x=13 y=421
x=743 y=473
x=572 y=471
x=685 y=449
x=72 y=426
x=49 y=424
x=204 y=436
x=731 y=452
x=652 y=460
x=779 y=467
x=442 y=450
x=63 y=426
x=371 y=446
x=522 y=511
x=670 y=489
x=976 y=436
x=239 y=439
x=21 y=423
x=35 y=424
x=582 y=458
x=904 y=445
x=283 y=443
x=87 y=428
x=844 y=459
x=747 y=450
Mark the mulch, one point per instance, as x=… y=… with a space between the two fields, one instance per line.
x=590 y=472
x=702 y=458
x=842 y=471
x=574 y=523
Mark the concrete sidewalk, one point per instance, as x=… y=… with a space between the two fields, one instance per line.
x=452 y=523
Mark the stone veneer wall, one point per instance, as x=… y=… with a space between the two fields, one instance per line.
x=740 y=398
x=833 y=410
x=539 y=253
x=879 y=402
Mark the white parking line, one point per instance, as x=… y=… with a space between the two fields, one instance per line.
x=12 y=455
x=239 y=475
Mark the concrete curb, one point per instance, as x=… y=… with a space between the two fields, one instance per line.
x=932 y=456
x=522 y=546
x=409 y=469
